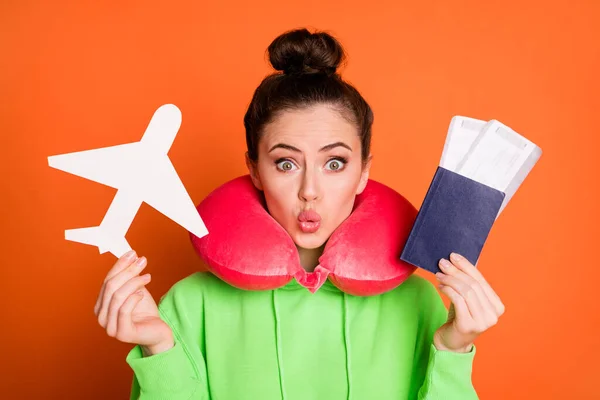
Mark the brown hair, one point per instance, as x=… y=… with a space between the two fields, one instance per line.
x=307 y=64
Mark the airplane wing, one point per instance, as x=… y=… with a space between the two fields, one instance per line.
x=112 y=166
x=118 y=166
x=165 y=192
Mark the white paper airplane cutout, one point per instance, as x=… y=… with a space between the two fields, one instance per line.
x=141 y=172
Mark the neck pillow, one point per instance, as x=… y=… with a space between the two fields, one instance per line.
x=248 y=249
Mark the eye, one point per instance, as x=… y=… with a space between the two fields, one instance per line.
x=285 y=165
x=336 y=164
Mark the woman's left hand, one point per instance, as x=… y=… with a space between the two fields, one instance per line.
x=475 y=306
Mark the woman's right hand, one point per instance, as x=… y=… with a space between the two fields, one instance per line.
x=127 y=310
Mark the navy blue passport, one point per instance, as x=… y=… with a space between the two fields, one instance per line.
x=457 y=215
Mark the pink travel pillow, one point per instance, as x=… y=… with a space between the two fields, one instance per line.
x=248 y=249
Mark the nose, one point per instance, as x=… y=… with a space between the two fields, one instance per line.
x=309 y=188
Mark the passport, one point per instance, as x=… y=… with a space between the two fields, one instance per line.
x=482 y=166
x=456 y=216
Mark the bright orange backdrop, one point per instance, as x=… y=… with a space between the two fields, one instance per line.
x=81 y=75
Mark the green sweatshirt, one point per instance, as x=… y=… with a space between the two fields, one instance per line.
x=289 y=344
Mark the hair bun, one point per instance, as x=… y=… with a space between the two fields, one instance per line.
x=302 y=52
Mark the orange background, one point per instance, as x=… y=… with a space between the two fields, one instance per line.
x=82 y=75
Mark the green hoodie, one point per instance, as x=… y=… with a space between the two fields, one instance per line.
x=289 y=344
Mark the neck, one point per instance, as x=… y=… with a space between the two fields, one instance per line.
x=309 y=258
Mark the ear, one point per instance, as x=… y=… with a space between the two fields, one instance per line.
x=364 y=176
x=253 y=169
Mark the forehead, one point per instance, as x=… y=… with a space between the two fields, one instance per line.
x=320 y=125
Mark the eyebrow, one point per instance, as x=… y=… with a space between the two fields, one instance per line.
x=324 y=148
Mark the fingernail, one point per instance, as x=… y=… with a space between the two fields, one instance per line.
x=439 y=275
x=129 y=255
x=455 y=256
x=147 y=277
x=444 y=263
x=140 y=261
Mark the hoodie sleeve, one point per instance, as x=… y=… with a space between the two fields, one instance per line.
x=178 y=373
x=440 y=374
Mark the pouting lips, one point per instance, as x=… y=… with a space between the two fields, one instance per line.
x=309 y=221
x=309 y=216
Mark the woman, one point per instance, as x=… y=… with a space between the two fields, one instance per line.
x=308 y=134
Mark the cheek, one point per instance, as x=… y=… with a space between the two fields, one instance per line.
x=340 y=198
x=340 y=204
x=277 y=201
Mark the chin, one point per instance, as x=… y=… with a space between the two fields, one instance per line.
x=309 y=241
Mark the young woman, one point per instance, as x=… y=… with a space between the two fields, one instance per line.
x=308 y=134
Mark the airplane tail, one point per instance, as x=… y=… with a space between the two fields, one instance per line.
x=101 y=238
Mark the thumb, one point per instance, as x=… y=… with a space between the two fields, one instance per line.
x=124 y=323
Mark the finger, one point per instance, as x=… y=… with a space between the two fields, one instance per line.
x=124 y=261
x=115 y=283
x=466 y=291
x=490 y=318
x=451 y=269
x=125 y=326
x=461 y=310
x=463 y=264
x=485 y=316
x=119 y=297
